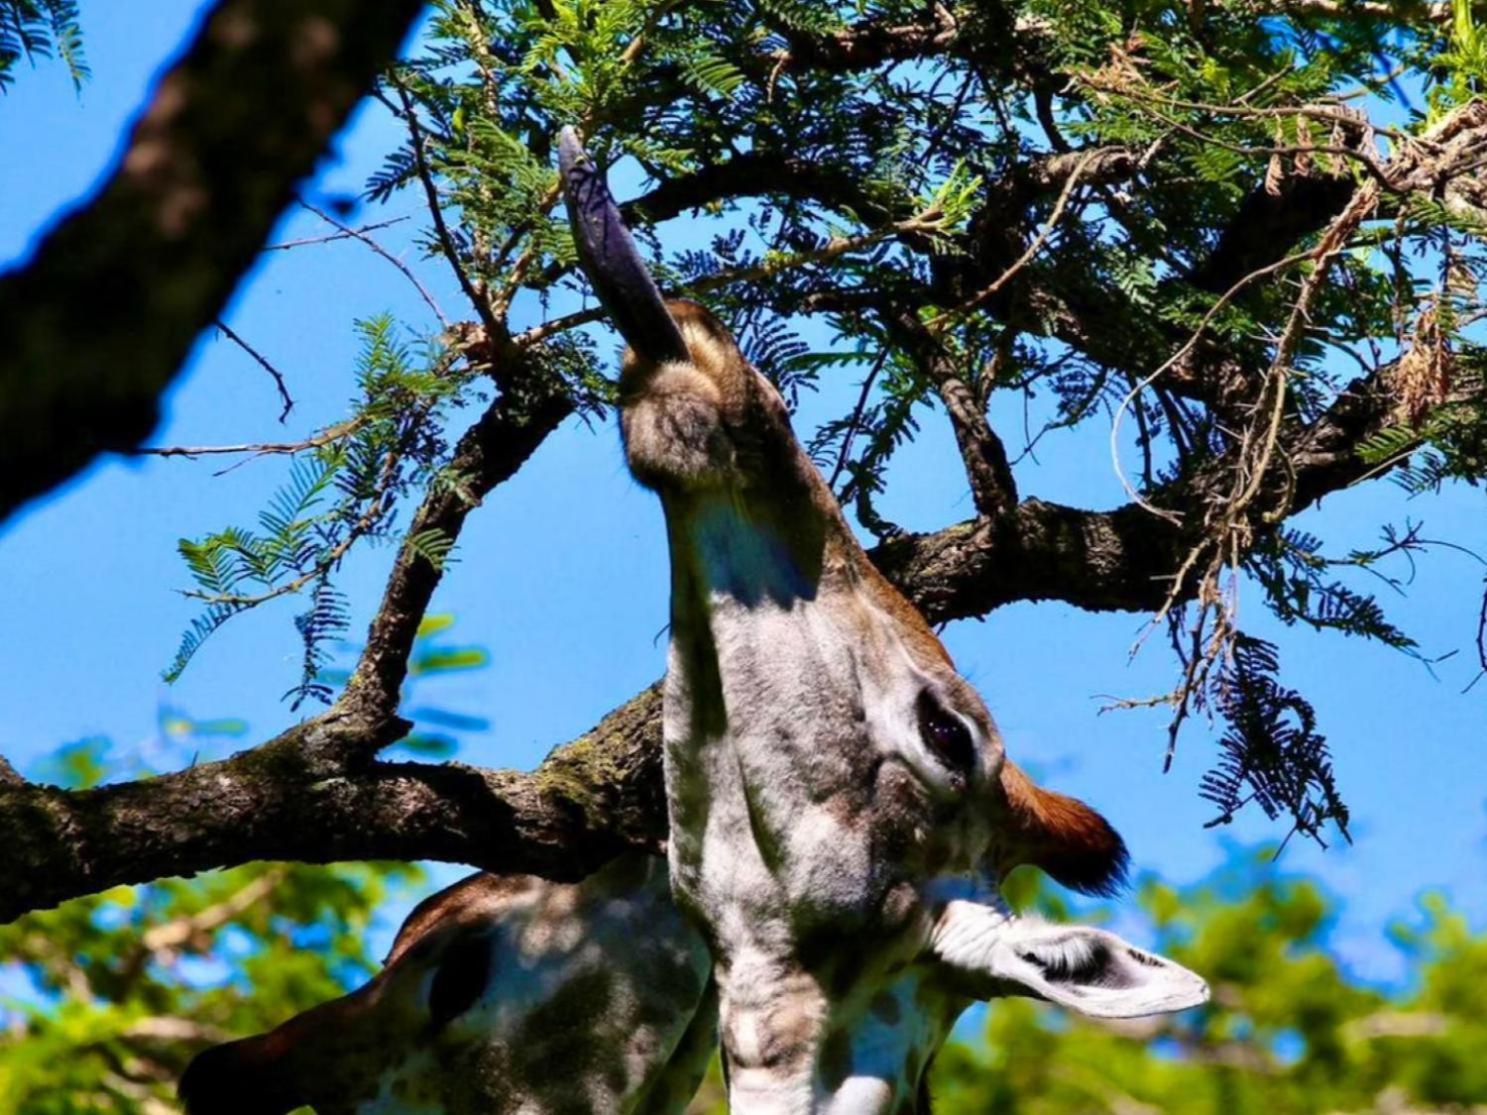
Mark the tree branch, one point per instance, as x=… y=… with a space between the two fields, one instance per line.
x=870 y=43
x=589 y=801
x=488 y=453
x=314 y=794
x=993 y=489
x=100 y=321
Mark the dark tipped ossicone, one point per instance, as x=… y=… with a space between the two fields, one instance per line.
x=611 y=260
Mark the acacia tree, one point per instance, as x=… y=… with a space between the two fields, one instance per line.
x=1248 y=233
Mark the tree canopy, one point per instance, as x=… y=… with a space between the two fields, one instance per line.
x=1243 y=236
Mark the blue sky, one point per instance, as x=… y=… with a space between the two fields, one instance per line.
x=562 y=574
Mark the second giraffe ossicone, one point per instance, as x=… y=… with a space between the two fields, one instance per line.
x=841 y=810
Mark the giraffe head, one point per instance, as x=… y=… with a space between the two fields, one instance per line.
x=501 y=996
x=841 y=808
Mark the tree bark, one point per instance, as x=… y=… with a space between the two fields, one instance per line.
x=100 y=321
x=316 y=793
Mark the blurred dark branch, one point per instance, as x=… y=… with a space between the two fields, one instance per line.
x=100 y=320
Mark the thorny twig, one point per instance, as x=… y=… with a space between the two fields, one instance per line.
x=305 y=242
x=1228 y=530
x=256 y=449
x=407 y=271
x=262 y=363
x=494 y=328
x=855 y=421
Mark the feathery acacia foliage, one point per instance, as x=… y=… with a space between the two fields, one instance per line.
x=1248 y=236
x=341 y=490
x=41 y=29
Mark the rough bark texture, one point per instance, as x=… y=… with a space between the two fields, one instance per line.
x=589 y=800
x=126 y=283
x=101 y=320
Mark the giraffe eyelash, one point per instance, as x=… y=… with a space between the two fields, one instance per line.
x=945 y=735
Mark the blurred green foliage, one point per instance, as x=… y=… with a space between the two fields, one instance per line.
x=104 y=1000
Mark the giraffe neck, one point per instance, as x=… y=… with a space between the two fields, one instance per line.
x=869 y=1054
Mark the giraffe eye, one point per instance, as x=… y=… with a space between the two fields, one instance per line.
x=945 y=735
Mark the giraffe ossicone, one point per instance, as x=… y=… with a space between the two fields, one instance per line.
x=841 y=816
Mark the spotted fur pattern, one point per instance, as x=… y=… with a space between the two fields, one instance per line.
x=501 y=996
x=835 y=788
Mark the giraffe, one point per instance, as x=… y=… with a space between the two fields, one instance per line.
x=840 y=806
x=841 y=814
x=501 y=995
x=514 y=995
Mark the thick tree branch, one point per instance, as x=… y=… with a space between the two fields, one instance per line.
x=100 y=321
x=315 y=795
x=590 y=800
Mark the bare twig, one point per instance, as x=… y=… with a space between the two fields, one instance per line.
x=856 y=419
x=262 y=363
x=258 y=449
x=495 y=329
x=406 y=271
x=305 y=242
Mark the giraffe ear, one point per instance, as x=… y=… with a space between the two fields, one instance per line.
x=1062 y=835
x=1090 y=971
x=1087 y=970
